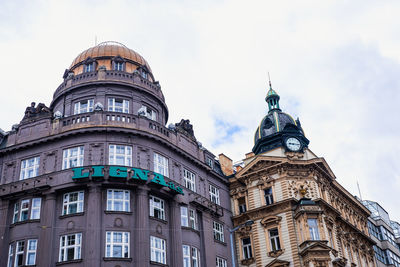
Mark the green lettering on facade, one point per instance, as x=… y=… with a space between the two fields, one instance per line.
x=140 y=174
x=98 y=171
x=79 y=174
x=118 y=172
x=158 y=179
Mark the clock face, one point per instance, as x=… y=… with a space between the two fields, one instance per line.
x=293 y=144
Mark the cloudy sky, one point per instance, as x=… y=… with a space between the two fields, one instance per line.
x=335 y=64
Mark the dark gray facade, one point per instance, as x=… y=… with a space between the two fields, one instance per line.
x=107 y=116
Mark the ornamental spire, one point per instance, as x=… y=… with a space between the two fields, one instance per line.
x=272 y=98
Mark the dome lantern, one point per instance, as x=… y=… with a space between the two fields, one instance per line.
x=272 y=99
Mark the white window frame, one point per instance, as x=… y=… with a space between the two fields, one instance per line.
x=111 y=244
x=19 y=251
x=184 y=216
x=220 y=262
x=31 y=251
x=73 y=157
x=313 y=228
x=118 y=65
x=246 y=248
x=214 y=194
x=68 y=203
x=24 y=210
x=218 y=231
x=274 y=239
x=189 y=179
x=160 y=164
x=32 y=211
x=29 y=170
x=158 y=250
x=114 y=152
x=76 y=247
x=186 y=256
x=80 y=107
x=10 y=255
x=195 y=257
x=193 y=219
x=124 y=201
x=269 y=198
x=88 y=67
x=36 y=205
x=158 y=204
x=112 y=107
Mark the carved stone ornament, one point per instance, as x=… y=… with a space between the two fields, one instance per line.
x=294 y=155
x=244 y=231
x=248 y=261
x=270 y=220
x=300 y=189
x=185 y=128
x=98 y=106
x=39 y=110
x=57 y=115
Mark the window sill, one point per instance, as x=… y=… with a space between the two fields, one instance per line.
x=71 y=215
x=276 y=253
x=116 y=259
x=190 y=229
x=158 y=263
x=117 y=212
x=24 y=222
x=220 y=242
x=158 y=219
x=68 y=262
x=248 y=261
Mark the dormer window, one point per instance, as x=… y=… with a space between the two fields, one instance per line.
x=118 y=63
x=89 y=67
x=144 y=75
x=119 y=66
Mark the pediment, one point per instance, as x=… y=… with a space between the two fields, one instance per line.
x=314 y=246
x=261 y=162
x=278 y=263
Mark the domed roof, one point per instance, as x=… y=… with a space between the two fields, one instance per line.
x=276 y=122
x=110 y=49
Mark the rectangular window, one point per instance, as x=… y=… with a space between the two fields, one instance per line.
x=31 y=252
x=29 y=168
x=19 y=253
x=246 y=248
x=274 y=239
x=220 y=262
x=158 y=250
x=70 y=247
x=118 y=200
x=218 y=230
x=24 y=214
x=73 y=157
x=214 y=194
x=27 y=209
x=184 y=217
x=148 y=113
x=209 y=162
x=10 y=255
x=89 y=67
x=35 y=211
x=313 y=227
x=118 y=105
x=186 y=255
x=160 y=164
x=157 y=208
x=192 y=219
x=195 y=257
x=242 y=205
x=83 y=106
x=268 y=196
x=189 y=179
x=73 y=203
x=117 y=244
x=120 y=155
x=118 y=66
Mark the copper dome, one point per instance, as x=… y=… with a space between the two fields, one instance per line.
x=110 y=49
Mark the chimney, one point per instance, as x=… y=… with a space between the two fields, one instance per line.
x=249 y=155
x=226 y=164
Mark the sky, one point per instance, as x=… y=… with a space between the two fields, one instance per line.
x=335 y=65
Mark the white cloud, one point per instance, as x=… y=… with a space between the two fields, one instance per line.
x=334 y=64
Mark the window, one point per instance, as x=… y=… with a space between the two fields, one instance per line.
x=242 y=205
x=246 y=248
x=29 y=168
x=274 y=239
x=157 y=208
x=31 y=252
x=380 y=255
x=118 y=105
x=186 y=255
x=191 y=256
x=214 y=194
x=220 y=262
x=117 y=244
x=209 y=162
x=157 y=250
x=184 y=217
x=268 y=196
x=120 y=155
x=144 y=74
x=188 y=219
x=24 y=208
x=148 y=113
x=218 y=230
x=89 y=67
x=189 y=180
x=83 y=106
x=19 y=253
x=313 y=227
x=10 y=255
x=195 y=257
x=192 y=219
x=73 y=203
x=118 y=66
x=161 y=164
x=73 y=157
x=70 y=247
x=118 y=200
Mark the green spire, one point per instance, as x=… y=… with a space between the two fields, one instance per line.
x=272 y=98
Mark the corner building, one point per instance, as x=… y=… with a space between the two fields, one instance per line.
x=297 y=214
x=96 y=179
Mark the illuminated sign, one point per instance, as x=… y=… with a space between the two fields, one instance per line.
x=125 y=173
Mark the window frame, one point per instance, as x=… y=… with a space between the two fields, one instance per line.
x=242 y=207
x=160 y=164
x=189 y=179
x=184 y=217
x=79 y=202
x=25 y=169
x=29 y=211
x=313 y=229
x=69 y=158
x=220 y=262
x=274 y=240
x=154 y=249
x=125 y=244
x=77 y=246
x=10 y=255
x=214 y=196
x=113 y=108
x=160 y=207
x=246 y=248
x=268 y=198
x=113 y=155
x=125 y=201
x=78 y=106
x=30 y=251
x=218 y=232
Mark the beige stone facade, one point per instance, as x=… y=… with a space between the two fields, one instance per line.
x=302 y=215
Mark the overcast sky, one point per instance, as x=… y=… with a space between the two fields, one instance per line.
x=335 y=64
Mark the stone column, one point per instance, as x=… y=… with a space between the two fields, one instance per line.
x=175 y=249
x=93 y=239
x=5 y=220
x=141 y=233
